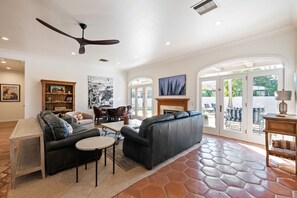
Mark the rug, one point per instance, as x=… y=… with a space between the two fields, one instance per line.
x=121 y=160
x=63 y=185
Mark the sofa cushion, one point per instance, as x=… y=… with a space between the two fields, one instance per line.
x=194 y=113
x=84 y=121
x=58 y=128
x=148 y=121
x=68 y=126
x=180 y=114
x=44 y=113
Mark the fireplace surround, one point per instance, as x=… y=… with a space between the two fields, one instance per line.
x=172 y=104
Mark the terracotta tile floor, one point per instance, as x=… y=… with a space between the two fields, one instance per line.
x=219 y=168
x=5 y=132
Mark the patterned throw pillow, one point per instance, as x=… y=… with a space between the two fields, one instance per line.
x=68 y=126
x=80 y=116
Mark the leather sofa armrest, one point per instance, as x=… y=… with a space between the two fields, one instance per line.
x=132 y=135
x=72 y=139
x=87 y=116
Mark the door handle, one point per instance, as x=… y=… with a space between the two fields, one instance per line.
x=221 y=108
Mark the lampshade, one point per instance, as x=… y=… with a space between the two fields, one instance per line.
x=283 y=95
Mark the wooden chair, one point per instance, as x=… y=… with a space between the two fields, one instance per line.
x=119 y=113
x=100 y=115
x=129 y=111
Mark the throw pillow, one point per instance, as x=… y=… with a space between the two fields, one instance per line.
x=68 y=126
x=80 y=116
x=58 y=128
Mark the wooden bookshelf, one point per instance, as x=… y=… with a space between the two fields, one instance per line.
x=58 y=96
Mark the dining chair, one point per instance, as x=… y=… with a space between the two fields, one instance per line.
x=100 y=115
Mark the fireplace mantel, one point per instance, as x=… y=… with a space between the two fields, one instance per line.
x=177 y=102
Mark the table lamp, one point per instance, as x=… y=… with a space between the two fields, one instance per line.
x=283 y=107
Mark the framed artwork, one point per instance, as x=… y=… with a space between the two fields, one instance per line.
x=100 y=91
x=57 y=89
x=10 y=93
x=172 y=86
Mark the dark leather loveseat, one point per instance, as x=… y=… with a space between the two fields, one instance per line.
x=161 y=137
x=59 y=147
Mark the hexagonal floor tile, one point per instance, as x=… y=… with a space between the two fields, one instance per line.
x=194 y=164
x=234 y=159
x=194 y=157
x=197 y=187
x=227 y=169
x=218 y=154
x=177 y=165
x=206 y=155
x=216 y=194
x=174 y=189
x=276 y=188
x=165 y=169
x=232 y=180
x=221 y=160
x=240 y=167
x=255 y=165
x=215 y=183
x=292 y=184
x=248 y=178
x=209 y=171
x=130 y=193
x=177 y=176
x=238 y=192
x=159 y=179
x=264 y=175
x=141 y=184
x=258 y=191
x=207 y=162
x=195 y=174
x=153 y=191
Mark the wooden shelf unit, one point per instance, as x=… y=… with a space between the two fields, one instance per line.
x=51 y=100
x=282 y=126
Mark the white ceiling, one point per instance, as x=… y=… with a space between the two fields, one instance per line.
x=143 y=27
x=14 y=65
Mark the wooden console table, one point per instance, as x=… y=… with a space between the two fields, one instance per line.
x=26 y=149
x=282 y=126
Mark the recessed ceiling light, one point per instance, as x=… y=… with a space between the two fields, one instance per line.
x=3 y=61
x=4 y=38
x=8 y=67
x=118 y=63
x=217 y=23
x=167 y=43
x=72 y=53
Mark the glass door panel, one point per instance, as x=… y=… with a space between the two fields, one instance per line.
x=263 y=100
x=233 y=114
x=149 y=103
x=132 y=100
x=140 y=96
x=208 y=102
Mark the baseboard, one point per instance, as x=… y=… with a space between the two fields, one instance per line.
x=13 y=120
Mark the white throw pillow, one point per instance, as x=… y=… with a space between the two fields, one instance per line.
x=68 y=126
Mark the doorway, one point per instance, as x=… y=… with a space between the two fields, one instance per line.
x=141 y=97
x=12 y=81
x=234 y=102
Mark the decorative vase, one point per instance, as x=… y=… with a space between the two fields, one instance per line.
x=126 y=119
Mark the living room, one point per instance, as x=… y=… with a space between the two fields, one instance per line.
x=153 y=45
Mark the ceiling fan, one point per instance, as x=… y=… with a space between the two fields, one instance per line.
x=82 y=41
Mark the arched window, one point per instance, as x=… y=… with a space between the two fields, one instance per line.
x=140 y=97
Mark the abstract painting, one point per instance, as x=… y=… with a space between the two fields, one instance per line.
x=100 y=91
x=172 y=86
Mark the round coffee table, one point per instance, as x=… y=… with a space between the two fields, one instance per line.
x=95 y=144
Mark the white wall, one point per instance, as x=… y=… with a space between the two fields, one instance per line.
x=37 y=68
x=280 y=44
x=10 y=111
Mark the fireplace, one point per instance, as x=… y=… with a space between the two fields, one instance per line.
x=170 y=105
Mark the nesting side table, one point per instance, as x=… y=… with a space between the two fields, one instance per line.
x=95 y=144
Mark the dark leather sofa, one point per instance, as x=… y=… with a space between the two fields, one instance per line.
x=161 y=137
x=59 y=148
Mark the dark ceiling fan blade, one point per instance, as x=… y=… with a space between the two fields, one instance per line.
x=53 y=28
x=82 y=49
x=101 y=42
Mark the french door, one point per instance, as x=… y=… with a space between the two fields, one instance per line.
x=234 y=105
x=141 y=101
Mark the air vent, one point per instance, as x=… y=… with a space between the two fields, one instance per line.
x=103 y=60
x=204 y=6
